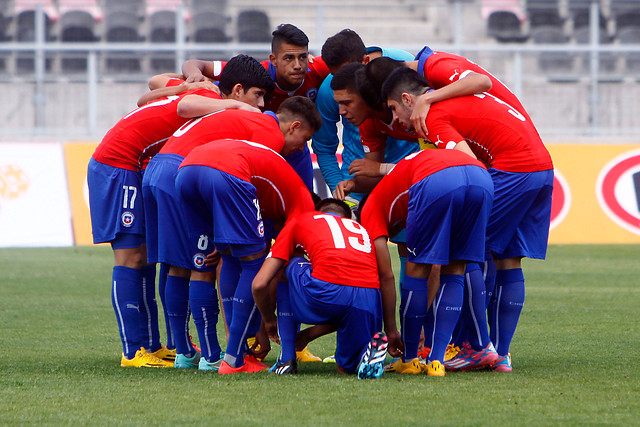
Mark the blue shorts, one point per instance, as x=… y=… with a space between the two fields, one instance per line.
x=521 y=214
x=115 y=200
x=166 y=228
x=219 y=205
x=448 y=215
x=301 y=162
x=356 y=311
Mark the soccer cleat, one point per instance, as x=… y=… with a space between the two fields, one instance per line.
x=410 y=367
x=329 y=359
x=204 y=365
x=142 y=359
x=424 y=354
x=285 y=368
x=468 y=358
x=250 y=342
x=165 y=354
x=184 y=362
x=372 y=363
x=435 y=369
x=251 y=366
x=305 y=355
x=503 y=364
x=451 y=352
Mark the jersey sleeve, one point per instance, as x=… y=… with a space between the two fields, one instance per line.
x=284 y=246
x=372 y=139
x=441 y=72
x=441 y=132
x=325 y=141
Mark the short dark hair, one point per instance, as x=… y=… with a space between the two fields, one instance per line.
x=288 y=33
x=300 y=108
x=343 y=47
x=379 y=69
x=368 y=91
x=403 y=80
x=334 y=206
x=345 y=77
x=246 y=71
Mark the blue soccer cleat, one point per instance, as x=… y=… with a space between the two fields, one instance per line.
x=372 y=362
x=184 y=362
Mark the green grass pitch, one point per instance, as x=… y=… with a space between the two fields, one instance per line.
x=575 y=356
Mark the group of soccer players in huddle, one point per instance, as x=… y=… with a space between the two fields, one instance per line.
x=211 y=178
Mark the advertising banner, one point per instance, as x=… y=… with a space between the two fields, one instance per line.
x=34 y=202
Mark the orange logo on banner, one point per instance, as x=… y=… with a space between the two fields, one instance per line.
x=13 y=181
x=77 y=156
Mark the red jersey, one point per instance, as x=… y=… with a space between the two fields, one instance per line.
x=235 y=124
x=387 y=205
x=339 y=249
x=496 y=132
x=141 y=133
x=441 y=69
x=374 y=133
x=280 y=190
x=316 y=73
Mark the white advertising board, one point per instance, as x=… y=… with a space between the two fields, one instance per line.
x=34 y=197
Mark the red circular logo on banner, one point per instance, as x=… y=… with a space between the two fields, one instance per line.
x=560 y=201
x=618 y=190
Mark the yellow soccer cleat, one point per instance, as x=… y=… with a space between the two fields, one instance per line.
x=305 y=355
x=451 y=352
x=165 y=354
x=435 y=369
x=411 y=367
x=143 y=359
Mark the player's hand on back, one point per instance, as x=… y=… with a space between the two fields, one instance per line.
x=195 y=77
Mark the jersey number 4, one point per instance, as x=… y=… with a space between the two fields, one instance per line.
x=361 y=243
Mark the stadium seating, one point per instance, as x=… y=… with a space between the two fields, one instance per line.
x=631 y=35
x=135 y=7
x=544 y=13
x=76 y=26
x=254 y=26
x=26 y=32
x=209 y=27
x=552 y=62
x=121 y=26
x=219 y=6
x=607 y=60
x=162 y=29
x=505 y=26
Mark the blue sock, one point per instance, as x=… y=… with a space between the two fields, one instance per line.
x=428 y=328
x=413 y=310
x=229 y=276
x=149 y=310
x=203 y=300
x=244 y=313
x=489 y=273
x=125 y=297
x=162 y=283
x=287 y=324
x=474 y=310
x=177 y=301
x=446 y=311
x=509 y=299
x=403 y=266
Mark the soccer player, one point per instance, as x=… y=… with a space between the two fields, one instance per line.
x=338 y=285
x=292 y=72
x=443 y=198
x=522 y=172
x=285 y=132
x=114 y=177
x=228 y=187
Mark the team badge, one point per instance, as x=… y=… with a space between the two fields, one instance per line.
x=198 y=260
x=312 y=93
x=128 y=218
x=261 y=229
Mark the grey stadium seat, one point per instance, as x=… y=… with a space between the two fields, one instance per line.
x=254 y=26
x=76 y=26
x=505 y=26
